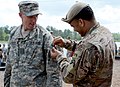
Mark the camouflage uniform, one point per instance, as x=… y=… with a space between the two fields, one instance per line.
x=25 y=63
x=92 y=62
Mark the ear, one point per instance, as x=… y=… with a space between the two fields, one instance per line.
x=20 y=14
x=82 y=23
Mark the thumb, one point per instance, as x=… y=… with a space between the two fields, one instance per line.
x=53 y=49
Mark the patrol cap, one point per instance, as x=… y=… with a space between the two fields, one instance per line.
x=29 y=8
x=74 y=10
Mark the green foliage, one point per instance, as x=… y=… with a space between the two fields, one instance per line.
x=5 y=31
x=66 y=33
x=116 y=37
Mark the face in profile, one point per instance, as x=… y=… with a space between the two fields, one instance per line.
x=77 y=26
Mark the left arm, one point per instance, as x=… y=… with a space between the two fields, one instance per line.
x=52 y=68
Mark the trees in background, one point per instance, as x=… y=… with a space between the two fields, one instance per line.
x=116 y=37
x=66 y=33
x=5 y=31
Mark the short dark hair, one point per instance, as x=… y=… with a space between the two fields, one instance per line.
x=85 y=14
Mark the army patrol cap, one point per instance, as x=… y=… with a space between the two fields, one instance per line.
x=74 y=10
x=29 y=8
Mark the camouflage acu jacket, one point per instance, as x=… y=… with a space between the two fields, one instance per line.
x=25 y=62
x=92 y=62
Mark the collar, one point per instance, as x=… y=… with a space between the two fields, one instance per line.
x=92 y=28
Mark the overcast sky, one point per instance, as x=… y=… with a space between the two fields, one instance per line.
x=107 y=13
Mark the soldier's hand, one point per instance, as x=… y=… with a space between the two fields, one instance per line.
x=54 y=53
x=59 y=41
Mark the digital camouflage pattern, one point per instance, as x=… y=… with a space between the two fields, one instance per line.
x=29 y=8
x=25 y=63
x=92 y=62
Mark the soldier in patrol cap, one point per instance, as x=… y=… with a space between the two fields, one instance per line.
x=92 y=62
x=28 y=60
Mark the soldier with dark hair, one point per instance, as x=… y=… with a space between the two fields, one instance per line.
x=92 y=62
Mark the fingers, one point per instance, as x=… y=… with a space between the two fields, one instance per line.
x=53 y=53
x=53 y=50
x=56 y=40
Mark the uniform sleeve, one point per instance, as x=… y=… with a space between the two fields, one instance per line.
x=52 y=67
x=7 y=74
x=87 y=60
